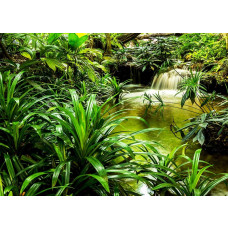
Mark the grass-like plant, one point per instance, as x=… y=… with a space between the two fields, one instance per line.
x=187 y=179
x=88 y=158
x=117 y=88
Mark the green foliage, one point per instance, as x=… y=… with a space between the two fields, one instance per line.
x=16 y=112
x=157 y=102
x=207 y=51
x=206 y=47
x=53 y=37
x=56 y=148
x=84 y=139
x=150 y=55
x=65 y=52
x=57 y=136
x=191 y=87
x=74 y=41
x=192 y=90
x=182 y=180
x=117 y=88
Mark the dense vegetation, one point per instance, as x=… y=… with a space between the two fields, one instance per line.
x=58 y=94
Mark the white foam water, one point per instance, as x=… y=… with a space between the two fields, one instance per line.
x=169 y=80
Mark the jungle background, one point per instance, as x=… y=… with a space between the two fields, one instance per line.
x=60 y=135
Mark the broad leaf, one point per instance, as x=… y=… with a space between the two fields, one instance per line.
x=53 y=37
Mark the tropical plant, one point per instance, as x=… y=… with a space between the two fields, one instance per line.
x=157 y=102
x=183 y=180
x=117 y=89
x=192 y=90
x=59 y=134
x=87 y=152
x=60 y=53
x=19 y=130
x=150 y=55
x=207 y=51
x=17 y=112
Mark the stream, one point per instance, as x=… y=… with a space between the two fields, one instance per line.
x=136 y=106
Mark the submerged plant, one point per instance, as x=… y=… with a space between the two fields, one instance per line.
x=157 y=102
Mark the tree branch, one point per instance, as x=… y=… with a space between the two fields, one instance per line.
x=152 y=35
x=127 y=37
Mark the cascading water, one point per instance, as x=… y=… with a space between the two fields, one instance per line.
x=135 y=105
x=169 y=80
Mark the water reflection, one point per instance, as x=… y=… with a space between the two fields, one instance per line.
x=133 y=103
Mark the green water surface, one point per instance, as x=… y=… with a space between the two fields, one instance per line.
x=134 y=105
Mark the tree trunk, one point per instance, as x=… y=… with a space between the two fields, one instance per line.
x=4 y=51
x=108 y=44
x=127 y=37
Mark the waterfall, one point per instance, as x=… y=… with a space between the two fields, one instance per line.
x=169 y=80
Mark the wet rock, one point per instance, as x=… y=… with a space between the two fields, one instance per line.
x=214 y=142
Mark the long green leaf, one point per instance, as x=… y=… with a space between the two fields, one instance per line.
x=29 y=179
